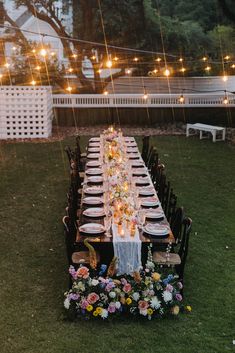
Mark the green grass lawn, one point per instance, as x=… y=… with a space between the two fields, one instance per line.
x=34 y=178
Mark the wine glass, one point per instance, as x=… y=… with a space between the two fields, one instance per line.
x=108 y=224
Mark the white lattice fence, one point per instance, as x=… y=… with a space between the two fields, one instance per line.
x=25 y=112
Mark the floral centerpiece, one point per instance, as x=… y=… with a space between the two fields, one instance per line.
x=147 y=294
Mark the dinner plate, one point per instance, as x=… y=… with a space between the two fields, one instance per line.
x=142 y=181
x=150 y=202
x=94 y=212
x=132 y=152
x=140 y=172
x=146 y=192
x=93 y=164
x=133 y=156
x=92 y=200
x=156 y=230
x=93 y=190
x=154 y=214
x=94 y=144
x=95 y=179
x=92 y=228
x=94 y=139
x=93 y=149
x=137 y=164
x=93 y=156
x=94 y=171
x=129 y=139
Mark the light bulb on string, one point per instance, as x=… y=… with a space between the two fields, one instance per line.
x=181 y=60
x=43 y=52
x=208 y=68
x=136 y=59
x=167 y=72
x=99 y=71
x=204 y=58
x=33 y=51
x=181 y=98
x=105 y=92
x=128 y=71
x=74 y=56
x=155 y=71
x=70 y=70
x=145 y=96
x=225 y=100
x=115 y=58
x=52 y=53
x=225 y=78
x=69 y=89
x=183 y=69
x=1 y=76
x=38 y=68
x=233 y=66
x=33 y=82
x=227 y=57
x=7 y=65
x=158 y=60
x=93 y=57
x=109 y=64
x=14 y=48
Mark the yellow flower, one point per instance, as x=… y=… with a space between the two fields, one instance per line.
x=175 y=310
x=150 y=311
x=89 y=307
x=128 y=301
x=95 y=313
x=188 y=308
x=156 y=276
x=99 y=310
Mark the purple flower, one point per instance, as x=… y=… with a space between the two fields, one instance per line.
x=123 y=281
x=112 y=308
x=169 y=288
x=73 y=296
x=109 y=286
x=180 y=285
x=178 y=297
x=84 y=304
x=73 y=272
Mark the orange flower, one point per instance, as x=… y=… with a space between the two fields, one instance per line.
x=83 y=272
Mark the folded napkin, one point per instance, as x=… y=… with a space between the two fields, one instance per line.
x=127 y=249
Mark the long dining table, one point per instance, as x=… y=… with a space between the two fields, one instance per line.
x=99 y=214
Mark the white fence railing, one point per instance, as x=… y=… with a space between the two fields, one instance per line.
x=141 y=101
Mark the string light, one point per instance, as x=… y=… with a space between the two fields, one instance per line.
x=225 y=101
x=74 y=56
x=145 y=96
x=38 y=67
x=70 y=69
x=181 y=98
x=182 y=69
x=34 y=51
x=52 y=53
x=109 y=64
x=7 y=65
x=14 y=48
x=43 y=52
x=167 y=72
x=136 y=59
x=158 y=60
x=225 y=78
x=99 y=71
x=93 y=57
x=1 y=76
x=105 y=93
x=181 y=60
x=69 y=89
x=128 y=71
x=207 y=68
x=227 y=57
x=155 y=71
x=204 y=58
x=116 y=58
x=33 y=83
x=233 y=66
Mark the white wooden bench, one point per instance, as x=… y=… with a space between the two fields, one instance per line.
x=206 y=128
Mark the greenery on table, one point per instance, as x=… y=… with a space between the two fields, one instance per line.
x=34 y=181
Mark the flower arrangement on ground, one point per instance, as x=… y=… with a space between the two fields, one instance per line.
x=148 y=293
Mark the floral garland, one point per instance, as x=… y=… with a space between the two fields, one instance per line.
x=148 y=294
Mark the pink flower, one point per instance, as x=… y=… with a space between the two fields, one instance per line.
x=179 y=297
x=169 y=288
x=92 y=298
x=84 y=304
x=83 y=272
x=143 y=305
x=112 y=307
x=127 y=288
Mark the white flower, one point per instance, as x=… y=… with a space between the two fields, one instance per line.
x=155 y=303
x=143 y=312
x=118 y=305
x=104 y=314
x=112 y=294
x=94 y=282
x=167 y=296
x=67 y=303
x=136 y=296
x=81 y=286
x=150 y=265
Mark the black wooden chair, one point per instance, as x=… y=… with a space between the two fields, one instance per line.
x=177 y=224
x=152 y=158
x=171 y=208
x=70 y=153
x=176 y=260
x=81 y=157
x=145 y=148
